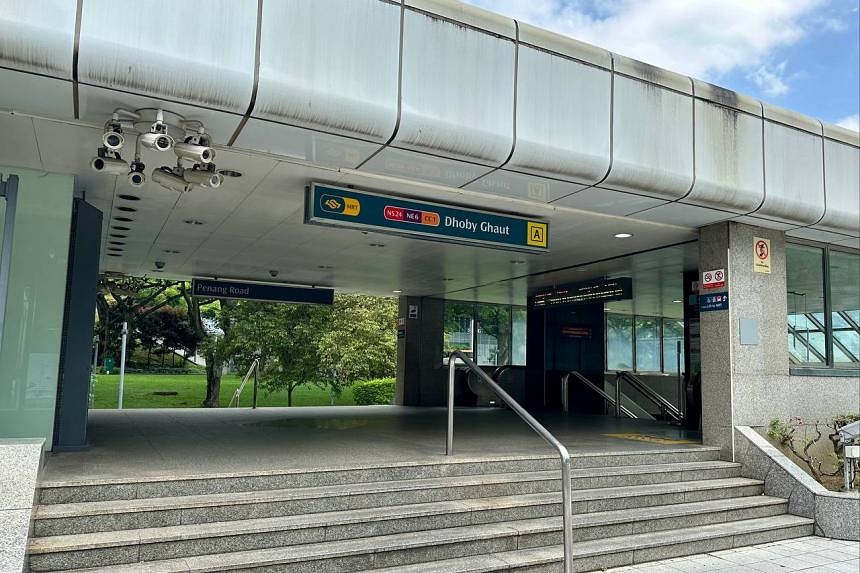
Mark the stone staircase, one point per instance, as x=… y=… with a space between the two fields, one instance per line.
x=463 y=515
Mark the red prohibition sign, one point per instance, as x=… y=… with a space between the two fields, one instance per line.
x=761 y=250
x=718 y=276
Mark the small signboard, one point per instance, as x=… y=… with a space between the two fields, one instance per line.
x=714 y=279
x=338 y=207
x=603 y=290
x=576 y=331
x=715 y=301
x=413 y=311
x=259 y=291
x=761 y=255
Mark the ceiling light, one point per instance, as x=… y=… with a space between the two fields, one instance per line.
x=397 y=291
x=623 y=235
x=194 y=222
x=517 y=262
x=378 y=245
x=229 y=173
x=172 y=251
x=677 y=301
x=125 y=197
x=447 y=279
x=156 y=271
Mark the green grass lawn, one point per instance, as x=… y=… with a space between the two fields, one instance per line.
x=139 y=392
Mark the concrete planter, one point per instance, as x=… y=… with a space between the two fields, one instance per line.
x=836 y=514
x=20 y=460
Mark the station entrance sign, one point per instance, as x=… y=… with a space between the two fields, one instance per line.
x=338 y=207
x=260 y=291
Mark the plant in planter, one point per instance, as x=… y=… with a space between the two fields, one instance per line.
x=800 y=438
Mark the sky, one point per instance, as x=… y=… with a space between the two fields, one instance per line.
x=803 y=55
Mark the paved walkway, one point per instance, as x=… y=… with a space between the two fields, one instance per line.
x=816 y=554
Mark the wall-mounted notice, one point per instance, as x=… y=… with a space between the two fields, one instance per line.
x=714 y=279
x=337 y=207
x=712 y=302
x=761 y=255
x=603 y=290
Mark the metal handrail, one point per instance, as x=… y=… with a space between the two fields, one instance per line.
x=497 y=373
x=567 y=510
x=255 y=365
x=666 y=407
x=606 y=397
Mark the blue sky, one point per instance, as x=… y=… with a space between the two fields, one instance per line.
x=799 y=54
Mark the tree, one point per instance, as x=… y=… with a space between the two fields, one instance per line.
x=285 y=337
x=360 y=342
x=214 y=346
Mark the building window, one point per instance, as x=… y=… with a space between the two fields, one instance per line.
x=619 y=342
x=491 y=334
x=643 y=343
x=823 y=299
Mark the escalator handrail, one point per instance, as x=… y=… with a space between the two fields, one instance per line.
x=649 y=393
x=609 y=399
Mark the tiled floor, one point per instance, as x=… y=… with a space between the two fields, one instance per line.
x=813 y=554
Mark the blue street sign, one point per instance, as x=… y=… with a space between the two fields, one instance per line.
x=338 y=207
x=257 y=291
x=715 y=301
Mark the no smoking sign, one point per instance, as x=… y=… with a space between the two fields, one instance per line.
x=761 y=255
x=714 y=279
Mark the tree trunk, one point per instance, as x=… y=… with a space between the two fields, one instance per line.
x=213 y=381
x=289 y=395
x=149 y=356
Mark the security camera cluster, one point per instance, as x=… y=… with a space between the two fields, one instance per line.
x=194 y=146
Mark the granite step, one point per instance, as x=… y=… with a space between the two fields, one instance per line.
x=192 y=540
x=91 y=517
x=105 y=489
x=488 y=547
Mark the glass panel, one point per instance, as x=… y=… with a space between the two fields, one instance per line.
x=647 y=344
x=805 y=287
x=458 y=327
x=619 y=342
x=493 y=335
x=845 y=306
x=673 y=333
x=518 y=336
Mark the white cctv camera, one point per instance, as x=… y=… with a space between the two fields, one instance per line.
x=156 y=141
x=167 y=179
x=196 y=153
x=203 y=177
x=273 y=273
x=109 y=165
x=113 y=140
x=159 y=264
x=136 y=178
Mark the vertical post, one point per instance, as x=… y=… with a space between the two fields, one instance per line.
x=682 y=392
x=95 y=353
x=9 y=190
x=122 y=364
x=452 y=367
x=567 y=513
x=565 y=397
x=618 y=378
x=254 y=399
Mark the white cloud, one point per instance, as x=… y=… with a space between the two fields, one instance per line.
x=851 y=122
x=700 y=38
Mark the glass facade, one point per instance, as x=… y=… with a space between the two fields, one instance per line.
x=644 y=343
x=32 y=329
x=492 y=334
x=823 y=299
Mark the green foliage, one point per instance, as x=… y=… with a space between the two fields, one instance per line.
x=376 y=391
x=359 y=341
x=845 y=419
x=799 y=437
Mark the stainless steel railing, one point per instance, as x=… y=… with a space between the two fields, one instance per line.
x=594 y=387
x=567 y=510
x=667 y=408
x=254 y=369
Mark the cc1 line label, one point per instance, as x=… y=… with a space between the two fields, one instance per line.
x=338 y=207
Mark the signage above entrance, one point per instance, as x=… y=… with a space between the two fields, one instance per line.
x=603 y=290
x=339 y=207
x=263 y=292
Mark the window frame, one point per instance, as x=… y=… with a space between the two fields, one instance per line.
x=661 y=339
x=830 y=368
x=475 y=322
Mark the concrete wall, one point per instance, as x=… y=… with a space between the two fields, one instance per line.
x=20 y=461
x=751 y=384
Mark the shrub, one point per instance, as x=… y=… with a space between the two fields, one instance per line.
x=797 y=436
x=377 y=391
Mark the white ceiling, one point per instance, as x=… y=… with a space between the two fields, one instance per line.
x=254 y=224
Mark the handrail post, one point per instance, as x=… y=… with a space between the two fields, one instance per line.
x=618 y=377
x=565 y=396
x=567 y=513
x=452 y=368
x=254 y=398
